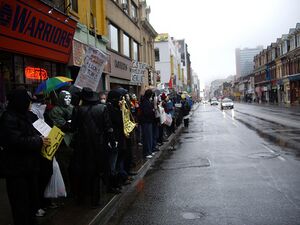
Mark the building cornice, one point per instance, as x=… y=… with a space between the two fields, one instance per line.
x=145 y=23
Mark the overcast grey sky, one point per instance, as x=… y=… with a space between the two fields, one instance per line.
x=214 y=28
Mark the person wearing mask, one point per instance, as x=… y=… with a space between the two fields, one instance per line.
x=103 y=98
x=22 y=149
x=61 y=116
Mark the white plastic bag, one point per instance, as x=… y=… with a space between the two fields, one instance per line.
x=56 y=186
x=168 y=120
x=162 y=115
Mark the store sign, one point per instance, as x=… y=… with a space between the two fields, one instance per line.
x=34 y=73
x=120 y=66
x=28 y=28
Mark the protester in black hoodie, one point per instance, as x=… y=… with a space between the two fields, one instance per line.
x=147 y=118
x=22 y=147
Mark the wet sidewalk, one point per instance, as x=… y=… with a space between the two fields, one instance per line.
x=70 y=213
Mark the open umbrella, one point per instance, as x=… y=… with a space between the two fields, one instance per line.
x=52 y=84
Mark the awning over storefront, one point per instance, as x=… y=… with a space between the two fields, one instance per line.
x=28 y=28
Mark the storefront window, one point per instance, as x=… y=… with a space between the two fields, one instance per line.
x=13 y=72
x=40 y=66
x=19 y=71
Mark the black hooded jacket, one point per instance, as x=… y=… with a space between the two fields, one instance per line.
x=22 y=143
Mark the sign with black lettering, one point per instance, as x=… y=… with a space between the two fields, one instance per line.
x=27 y=27
x=56 y=136
x=90 y=72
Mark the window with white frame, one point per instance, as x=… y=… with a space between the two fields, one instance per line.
x=284 y=47
x=135 y=51
x=298 y=41
x=124 y=5
x=273 y=53
x=114 y=37
x=126 y=45
x=292 y=43
x=133 y=11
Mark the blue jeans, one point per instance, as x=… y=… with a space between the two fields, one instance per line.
x=147 y=138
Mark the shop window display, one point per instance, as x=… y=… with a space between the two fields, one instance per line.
x=13 y=69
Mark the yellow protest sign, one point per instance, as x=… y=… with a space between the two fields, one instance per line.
x=56 y=136
x=127 y=123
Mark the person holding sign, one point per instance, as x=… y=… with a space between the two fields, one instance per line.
x=22 y=149
x=61 y=116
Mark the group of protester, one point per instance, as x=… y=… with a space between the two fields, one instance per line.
x=94 y=147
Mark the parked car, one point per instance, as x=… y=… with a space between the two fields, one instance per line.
x=226 y=103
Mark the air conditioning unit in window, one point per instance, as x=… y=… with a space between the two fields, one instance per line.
x=124 y=6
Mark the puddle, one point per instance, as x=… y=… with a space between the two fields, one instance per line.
x=192 y=215
x=263 y=155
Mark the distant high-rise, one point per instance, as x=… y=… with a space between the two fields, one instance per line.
x=244 y=60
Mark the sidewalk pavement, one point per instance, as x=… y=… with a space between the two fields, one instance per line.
x=70 y=213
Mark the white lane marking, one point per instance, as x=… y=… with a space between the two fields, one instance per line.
x=229 y=118
x=272 y=151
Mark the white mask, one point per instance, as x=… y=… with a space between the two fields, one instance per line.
x=67 y=99
x=103 y=101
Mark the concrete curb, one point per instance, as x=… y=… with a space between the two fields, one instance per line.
x=110 y=209
x=118 y=200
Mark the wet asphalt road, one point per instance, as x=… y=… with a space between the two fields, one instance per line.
x=221 y=171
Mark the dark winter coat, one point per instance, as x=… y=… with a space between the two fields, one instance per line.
x=22 y=143
x=90 y=123
x=147 y=111
x=185 y=108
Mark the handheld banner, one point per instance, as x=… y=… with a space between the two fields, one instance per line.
x=127 y=123
x=56 y=136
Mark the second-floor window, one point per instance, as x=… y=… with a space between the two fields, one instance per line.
x=156 y=55
x=135 y=51
x=126 y=45
x=114 y=37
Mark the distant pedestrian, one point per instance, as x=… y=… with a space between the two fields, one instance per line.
x=185 y=109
